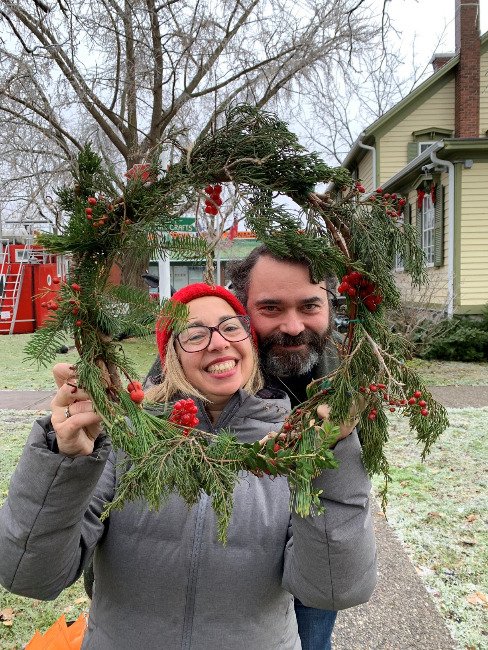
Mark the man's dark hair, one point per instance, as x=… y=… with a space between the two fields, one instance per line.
x=239 y=271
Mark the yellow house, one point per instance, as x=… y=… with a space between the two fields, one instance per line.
x=432 y=148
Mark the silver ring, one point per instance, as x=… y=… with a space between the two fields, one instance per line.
x=67 y=414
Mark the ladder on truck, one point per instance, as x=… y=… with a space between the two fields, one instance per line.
x=12 y=282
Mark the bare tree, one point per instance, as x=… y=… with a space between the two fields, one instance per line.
x=135 y=75
x=333 y=111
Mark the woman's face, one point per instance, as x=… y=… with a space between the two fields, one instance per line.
x=223 y=367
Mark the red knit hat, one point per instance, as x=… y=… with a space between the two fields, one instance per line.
x=184 y=296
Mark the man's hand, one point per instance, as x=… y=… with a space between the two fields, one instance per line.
x=347 y=427
x=73 y=419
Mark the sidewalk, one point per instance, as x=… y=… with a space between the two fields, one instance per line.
x=449 y=396
x=401 y=615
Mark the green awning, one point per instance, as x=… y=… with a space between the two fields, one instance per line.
x=239 y=249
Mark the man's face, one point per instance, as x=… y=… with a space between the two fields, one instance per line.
x=290 y=316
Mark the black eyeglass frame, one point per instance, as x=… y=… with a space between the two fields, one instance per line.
x=211 y=329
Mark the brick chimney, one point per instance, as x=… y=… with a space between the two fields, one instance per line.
x=467 y=104
x=439 y=60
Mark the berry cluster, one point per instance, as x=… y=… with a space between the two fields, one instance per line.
x=359 y=187
x=184 y=414
x=52 y=305
x=214 y=201
x=102 y=211
x=72 y=304
x=393 y=203
x=394 y=402
x=357 y=287
x=136 y=392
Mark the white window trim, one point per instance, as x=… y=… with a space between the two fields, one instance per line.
x=428 y=229
x=425 y=144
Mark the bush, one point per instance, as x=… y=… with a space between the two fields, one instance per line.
x=459 y=339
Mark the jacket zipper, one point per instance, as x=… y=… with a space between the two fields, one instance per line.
x=203 y=504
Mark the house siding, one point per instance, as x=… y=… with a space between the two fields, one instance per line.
x=473 y=243
x=437 y=110
x=365 y=171
x=484 y=94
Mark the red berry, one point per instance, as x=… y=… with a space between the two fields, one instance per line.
x=75 y=310
x=287 y=426
x=381 y=386
x=56 y=280
x=412 y=401
x=417 y=394
x=379 y=190
x=134 y=385
x=422 y=403
x=372 y=416
x=92 y=200
x=78 y=323
x=75 y=287
x=424 y=412
x=276 y=448
x=137 y=396
x=54 y=306
x=44 y=304
x=88 y=211
x=355 y=277
x=392 y=409
x=185 y=432
x=373 y=388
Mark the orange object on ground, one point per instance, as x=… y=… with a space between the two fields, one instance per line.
x=60 y=636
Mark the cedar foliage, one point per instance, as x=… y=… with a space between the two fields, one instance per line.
x=256 y=153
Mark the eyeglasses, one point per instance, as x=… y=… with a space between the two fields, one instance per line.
x=197 y=337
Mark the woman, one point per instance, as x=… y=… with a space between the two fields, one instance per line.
x=162 y=579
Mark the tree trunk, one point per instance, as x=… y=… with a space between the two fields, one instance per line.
x=132 y=269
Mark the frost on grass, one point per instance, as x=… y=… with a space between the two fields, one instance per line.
x=439 y=509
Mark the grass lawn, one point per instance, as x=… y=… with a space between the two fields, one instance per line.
x=439 y=509
x=16 y=373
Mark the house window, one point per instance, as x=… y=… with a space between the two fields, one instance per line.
x=422 y=146
x=428 y=223
x=399 y=263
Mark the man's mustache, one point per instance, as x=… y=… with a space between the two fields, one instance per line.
x=287 y=340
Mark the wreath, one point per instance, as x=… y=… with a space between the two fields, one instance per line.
x=256 y=157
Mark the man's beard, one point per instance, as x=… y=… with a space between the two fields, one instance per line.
x=286 y=363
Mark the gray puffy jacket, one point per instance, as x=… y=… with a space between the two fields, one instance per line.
x=162 y=579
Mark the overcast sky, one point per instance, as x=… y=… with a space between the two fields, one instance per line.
x=428 y=21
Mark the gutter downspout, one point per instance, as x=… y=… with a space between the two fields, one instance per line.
x=373 y=153
x=450 y=258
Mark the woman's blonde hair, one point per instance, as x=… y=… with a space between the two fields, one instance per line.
x=175 y=382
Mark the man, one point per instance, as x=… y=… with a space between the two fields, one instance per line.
x=292 y=319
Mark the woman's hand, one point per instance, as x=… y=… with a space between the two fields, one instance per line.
x=72 y=416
